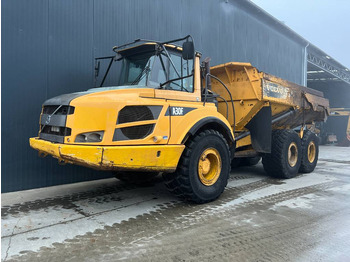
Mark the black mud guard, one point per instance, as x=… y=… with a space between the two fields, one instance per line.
x=211 y=122
x=260 y=128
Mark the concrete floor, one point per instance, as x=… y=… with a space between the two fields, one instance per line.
x=256 y=219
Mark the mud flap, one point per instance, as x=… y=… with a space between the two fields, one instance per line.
x=260 y=130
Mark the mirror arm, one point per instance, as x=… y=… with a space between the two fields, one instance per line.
x=109 y=67
x=97 y=71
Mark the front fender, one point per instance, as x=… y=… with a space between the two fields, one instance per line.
x=184 y=126
x=212 y=121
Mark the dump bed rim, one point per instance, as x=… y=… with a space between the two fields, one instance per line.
x=273 y=78
x=243 y=64
x=270 y=77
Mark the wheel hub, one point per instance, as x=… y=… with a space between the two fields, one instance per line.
x=292 y=154
x=209 y=166
x=205 y=166
x=311 y=152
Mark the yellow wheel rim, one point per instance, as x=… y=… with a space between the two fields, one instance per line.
x=311 y=152
x=292 y=154
x=209 y=166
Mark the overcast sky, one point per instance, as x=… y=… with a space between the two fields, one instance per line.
x=324 y=23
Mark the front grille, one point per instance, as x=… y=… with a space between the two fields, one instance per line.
x=52 y=122
x=63 y=110
x=55 y=130
x=133 y=132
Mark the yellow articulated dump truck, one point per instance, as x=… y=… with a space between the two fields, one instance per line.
x=169 y=113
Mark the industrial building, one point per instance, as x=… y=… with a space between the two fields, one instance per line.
x=48 y=49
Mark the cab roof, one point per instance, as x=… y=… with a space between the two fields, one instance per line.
x=146 y=47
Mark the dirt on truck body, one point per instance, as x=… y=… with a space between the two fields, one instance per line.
x=170 y=113
x=263 y=103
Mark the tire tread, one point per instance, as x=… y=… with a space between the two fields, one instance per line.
x=274 y=162
x=179 y=182
x=306 y=166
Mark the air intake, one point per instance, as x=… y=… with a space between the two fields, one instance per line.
x=138 y=113
x=133 y=132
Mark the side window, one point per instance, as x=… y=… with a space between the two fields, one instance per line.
x=158 y=75
x=183 y=68
x=187 y=68
x=134 y=71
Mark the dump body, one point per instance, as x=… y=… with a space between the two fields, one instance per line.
x=253 y=90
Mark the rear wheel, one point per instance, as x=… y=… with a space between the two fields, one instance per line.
x=137 y=178
x=310 y=149
x=285 y=158
x=203 y=170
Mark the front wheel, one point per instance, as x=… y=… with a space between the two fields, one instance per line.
x=203 y=170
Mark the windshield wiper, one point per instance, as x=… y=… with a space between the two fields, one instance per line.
x=175 y=79
x=144 y=72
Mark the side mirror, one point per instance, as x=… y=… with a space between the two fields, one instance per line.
x=187 y=50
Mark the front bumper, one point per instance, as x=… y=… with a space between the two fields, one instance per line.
x=162 y=158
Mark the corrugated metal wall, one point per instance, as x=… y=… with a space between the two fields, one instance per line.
x=48 y=48
x=338 y=93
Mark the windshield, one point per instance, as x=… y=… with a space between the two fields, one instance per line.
x=135 y=69
x=164 y=70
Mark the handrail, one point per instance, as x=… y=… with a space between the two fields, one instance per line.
x=228 y=91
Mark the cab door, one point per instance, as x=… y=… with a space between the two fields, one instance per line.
x=182 y=89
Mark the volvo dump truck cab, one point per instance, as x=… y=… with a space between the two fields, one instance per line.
x=169 y=114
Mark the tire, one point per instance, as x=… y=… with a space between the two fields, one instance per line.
x=250 y=161
x=203 y=169
x=285 y=158
x=137 y=178
x=310 y=149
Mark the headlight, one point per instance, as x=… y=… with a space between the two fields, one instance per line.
x=90 y=137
